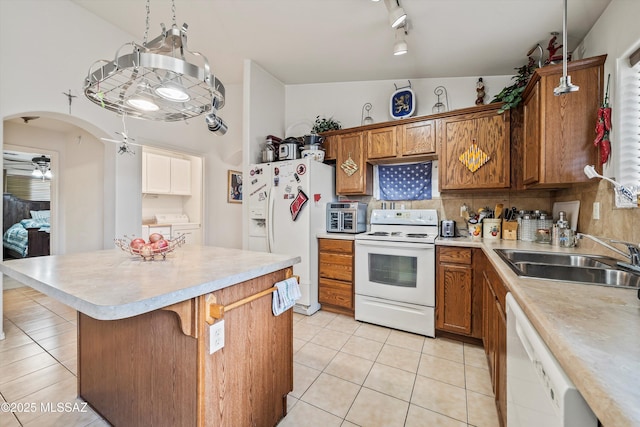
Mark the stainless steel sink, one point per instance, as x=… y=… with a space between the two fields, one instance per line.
x=557 y=258
x=564 y=267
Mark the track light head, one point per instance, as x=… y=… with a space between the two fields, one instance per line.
x=397 y=15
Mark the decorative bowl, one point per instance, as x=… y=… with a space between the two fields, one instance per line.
x=147 y=252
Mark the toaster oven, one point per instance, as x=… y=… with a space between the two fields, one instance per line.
x=346 y=217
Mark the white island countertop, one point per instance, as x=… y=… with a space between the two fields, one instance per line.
x=111 y=284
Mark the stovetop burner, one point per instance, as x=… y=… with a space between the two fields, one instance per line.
x=419 y=235
x=378 y=233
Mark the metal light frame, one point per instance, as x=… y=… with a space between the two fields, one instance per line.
x=151 y=66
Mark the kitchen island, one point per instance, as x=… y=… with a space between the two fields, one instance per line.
x=145 y=333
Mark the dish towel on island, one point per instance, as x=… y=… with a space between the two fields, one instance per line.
x=288 y=291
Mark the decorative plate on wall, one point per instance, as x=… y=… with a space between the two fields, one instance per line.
x=403 y=103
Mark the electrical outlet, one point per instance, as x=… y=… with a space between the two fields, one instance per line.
x=596 y=210
x=216 y=336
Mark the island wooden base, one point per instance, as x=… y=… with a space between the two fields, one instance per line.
x=155 y=369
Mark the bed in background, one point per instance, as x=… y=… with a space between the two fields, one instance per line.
x=28 y=233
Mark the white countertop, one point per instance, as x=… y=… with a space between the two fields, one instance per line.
x=111 y=284
x=593 y=331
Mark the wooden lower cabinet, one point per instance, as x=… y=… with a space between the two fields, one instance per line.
x=458 y=296
x=495 y=336
x=335 y=275
x=470 y=303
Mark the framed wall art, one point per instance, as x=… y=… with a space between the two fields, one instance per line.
x=234 y=187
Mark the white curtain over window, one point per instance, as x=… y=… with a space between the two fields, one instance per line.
x=629 y=135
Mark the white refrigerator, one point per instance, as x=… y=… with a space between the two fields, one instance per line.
x=287 y=203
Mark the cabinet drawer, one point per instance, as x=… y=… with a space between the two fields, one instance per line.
x=335 y=293
x=336 y=266
x=336 y=245
x=454 y=255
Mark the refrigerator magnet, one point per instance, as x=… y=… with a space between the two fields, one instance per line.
x=297 y=204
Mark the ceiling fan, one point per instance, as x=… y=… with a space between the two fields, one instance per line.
x=126 y=142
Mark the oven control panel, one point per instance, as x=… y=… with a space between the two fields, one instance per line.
x=405 y=216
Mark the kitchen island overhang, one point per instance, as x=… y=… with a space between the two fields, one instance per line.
x=144 y=341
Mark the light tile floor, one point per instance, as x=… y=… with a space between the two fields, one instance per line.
x=346 y=373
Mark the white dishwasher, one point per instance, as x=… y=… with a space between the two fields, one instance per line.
x=539 y=393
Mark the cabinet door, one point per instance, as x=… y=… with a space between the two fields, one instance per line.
x=501 y=362
x=330 y=145
x=418 y=138
x=382 y=142
x=335 y=293
x=351 y=154
x=180 y=176
x=454 y=298
x=158 y=173
x=531 y=152
x=490 y=132
x=558 y=134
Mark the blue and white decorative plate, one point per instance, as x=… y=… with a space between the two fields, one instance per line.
x=403 y=103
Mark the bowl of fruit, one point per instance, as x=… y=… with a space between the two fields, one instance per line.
x=157 y=247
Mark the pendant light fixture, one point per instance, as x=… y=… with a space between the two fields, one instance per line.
x=156 y=80
x=565 y=81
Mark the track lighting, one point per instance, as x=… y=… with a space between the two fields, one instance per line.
x=400 y=46
x=565 y=85
x=215 y=123
x=397 y=15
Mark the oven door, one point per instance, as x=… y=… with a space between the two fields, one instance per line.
x=396 y=271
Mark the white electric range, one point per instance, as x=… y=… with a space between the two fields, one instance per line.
x=395 y=270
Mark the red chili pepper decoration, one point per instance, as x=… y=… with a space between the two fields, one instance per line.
x=603 y=126
x=605 y=150
x=600 y=130
x=607 y=117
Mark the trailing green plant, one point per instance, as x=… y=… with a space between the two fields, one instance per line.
x=323 y=125
x=512 y=95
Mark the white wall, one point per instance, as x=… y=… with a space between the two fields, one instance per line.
x=263 y=114
x=617 y=34
x=344 y=101
x=79 y=173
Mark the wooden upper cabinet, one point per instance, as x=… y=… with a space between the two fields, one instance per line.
x=418 y=138
x=558 y=130
x=531 y=152
x=330 y=145
x=351 y=153
x=412 y=141
x=490 y=133
x=382 y=142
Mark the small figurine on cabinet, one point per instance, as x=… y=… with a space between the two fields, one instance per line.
x=552 y=48
x=480 y=92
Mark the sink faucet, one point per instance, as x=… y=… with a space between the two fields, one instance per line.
x=634 y=250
